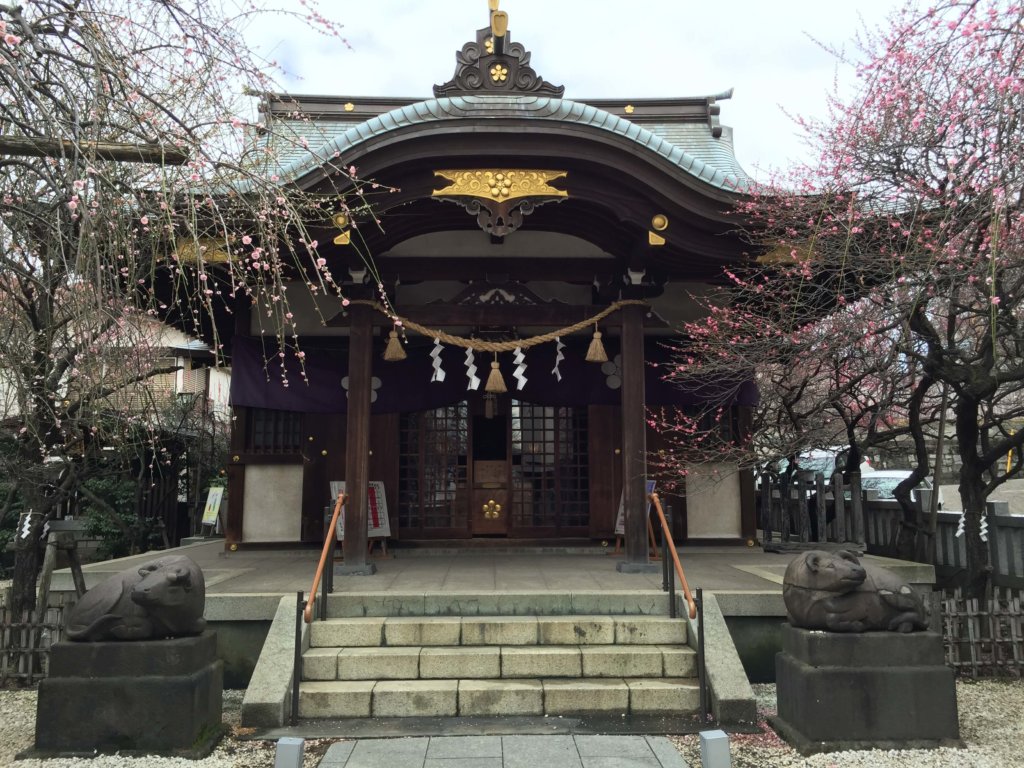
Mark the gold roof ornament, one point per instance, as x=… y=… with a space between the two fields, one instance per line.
x=499 y=198
x=205 y=249
x=494 y=63
x=500 y=184
x=499 y=24
x=341 y=222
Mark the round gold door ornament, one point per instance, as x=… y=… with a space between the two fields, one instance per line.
x=492 y=510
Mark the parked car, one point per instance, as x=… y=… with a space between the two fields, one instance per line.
x=884 y=481
x=824 y=460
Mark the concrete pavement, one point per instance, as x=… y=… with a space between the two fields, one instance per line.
x=506 y=752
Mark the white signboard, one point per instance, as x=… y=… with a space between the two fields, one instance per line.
x=377 y=523
x=213 y=502
x=620 y=519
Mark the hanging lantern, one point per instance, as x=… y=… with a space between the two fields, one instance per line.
x=495 y=383
x=596 y=353
x=394 y=351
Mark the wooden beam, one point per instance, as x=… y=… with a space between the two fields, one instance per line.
x=357 y=432
x=417 y=268
x=28 y=146
x=519 y=315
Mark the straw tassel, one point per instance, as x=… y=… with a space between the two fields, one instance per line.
x=596 y=353
x=394 y=351
x=495 y=383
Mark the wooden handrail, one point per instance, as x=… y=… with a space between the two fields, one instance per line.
x=675 y=555
x=307 y=614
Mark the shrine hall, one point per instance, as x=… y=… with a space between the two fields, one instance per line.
x=513 y=288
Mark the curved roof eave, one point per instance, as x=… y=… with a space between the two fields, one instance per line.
x=542 y=108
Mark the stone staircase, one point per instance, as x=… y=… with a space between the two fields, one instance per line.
x=491 y=653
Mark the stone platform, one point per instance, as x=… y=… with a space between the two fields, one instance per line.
x=873 y=690
x=143 y=697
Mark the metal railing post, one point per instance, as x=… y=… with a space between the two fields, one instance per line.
x=702 y=680
x=664 y=553
x=328 y=550
x=300 y=608
x=327 y=586
x=667 y=537
x=670 y=576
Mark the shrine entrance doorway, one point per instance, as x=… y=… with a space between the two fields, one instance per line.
x=494 y=466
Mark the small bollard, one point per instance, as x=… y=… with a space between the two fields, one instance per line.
x=714 y=750
x=289 y=752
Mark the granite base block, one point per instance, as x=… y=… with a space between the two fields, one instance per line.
x=157 y=696
x=864 y=691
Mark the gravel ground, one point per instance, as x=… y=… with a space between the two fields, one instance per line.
x=17 y=733
x=991 y=726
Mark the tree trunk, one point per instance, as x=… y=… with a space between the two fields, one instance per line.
x=28 y=553
x=972 y=495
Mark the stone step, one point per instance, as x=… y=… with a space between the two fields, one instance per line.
x=399 y=631
x=508 y=603
x=498 y=662
x=469 y=698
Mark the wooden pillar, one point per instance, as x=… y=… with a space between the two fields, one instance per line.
x=233 y=524
x=357 y=433
x=634 y=443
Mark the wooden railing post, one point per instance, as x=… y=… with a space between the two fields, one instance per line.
x=766 y=506
x=857 y=508
x=839 y=524
x=801 y=505
x=821 y=506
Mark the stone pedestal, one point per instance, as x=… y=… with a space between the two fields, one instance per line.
x=870 y=690
x=148 y=696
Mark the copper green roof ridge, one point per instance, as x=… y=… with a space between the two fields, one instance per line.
x=522 y=107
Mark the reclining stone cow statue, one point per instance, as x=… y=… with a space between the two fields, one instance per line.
x=163 y=598
x=834 y=591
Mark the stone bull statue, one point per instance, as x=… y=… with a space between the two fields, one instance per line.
x=163 y=598
x=834 y=591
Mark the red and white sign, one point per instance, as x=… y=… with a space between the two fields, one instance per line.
x=378 y=526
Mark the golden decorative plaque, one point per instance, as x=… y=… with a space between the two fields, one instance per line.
x=500 y=184
x=211 y=251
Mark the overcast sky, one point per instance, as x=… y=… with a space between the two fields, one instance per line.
x=599 y=49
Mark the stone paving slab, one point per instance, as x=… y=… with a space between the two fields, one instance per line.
x=465 y=746
x=506 y=752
